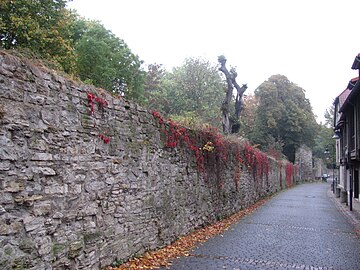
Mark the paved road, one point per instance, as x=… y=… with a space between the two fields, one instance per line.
x=297 y=229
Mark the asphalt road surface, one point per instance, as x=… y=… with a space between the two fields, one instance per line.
x=298 y=229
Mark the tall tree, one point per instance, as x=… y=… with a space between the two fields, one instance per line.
x=107 y=61
x=153 y=77
x=329 y=116
x=231 y=124
x=44 y=27
x=153 y=94
x=80 y=47
x=247 y=120
x=194 y=89
x=324 y=140
x=284 y=116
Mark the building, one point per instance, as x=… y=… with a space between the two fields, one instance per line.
x=347 y=132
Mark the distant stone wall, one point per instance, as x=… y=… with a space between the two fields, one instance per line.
x=81 y=188
x=319 y=168
x=304 y=162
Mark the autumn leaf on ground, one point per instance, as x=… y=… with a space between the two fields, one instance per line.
x=182 y=246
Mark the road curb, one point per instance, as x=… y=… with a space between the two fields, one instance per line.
x=352 y=216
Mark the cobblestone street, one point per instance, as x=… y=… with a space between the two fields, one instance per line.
x=301 y=228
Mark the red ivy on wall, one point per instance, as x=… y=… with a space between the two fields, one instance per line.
x=104 y=138
x=91 y=98
x=91 y=102
x=289 y=170
x=174 y=134
x=102 y=103
x=211 y=154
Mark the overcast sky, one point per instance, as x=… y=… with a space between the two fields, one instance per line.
x=312 y=42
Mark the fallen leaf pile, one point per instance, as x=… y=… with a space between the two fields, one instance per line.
x=182 y=246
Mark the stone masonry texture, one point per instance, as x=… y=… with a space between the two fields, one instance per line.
x=72 y=199
x=304 y=159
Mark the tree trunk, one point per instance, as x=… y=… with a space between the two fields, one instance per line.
x=238 y=101
x=231 y=126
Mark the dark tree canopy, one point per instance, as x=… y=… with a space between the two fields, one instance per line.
x=284 y=116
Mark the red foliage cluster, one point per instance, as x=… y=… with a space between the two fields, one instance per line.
x=248 y=156
x=220 y=144
x=91 y=102
x=104 y=138
x=238 y=154
x=274 y=153
x=238 y=167
x=174 y=133
x=210 y=163
x=158 y=117
x=262 y=163
x=289 y=169
x=92 y=98
x=255 y=160
x=215 y=160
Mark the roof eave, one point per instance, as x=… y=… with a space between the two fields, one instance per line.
x=356 y=64
x=354 y=92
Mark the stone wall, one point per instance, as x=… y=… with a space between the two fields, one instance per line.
x=79 y=189
x=319 y=168
x=304 y=161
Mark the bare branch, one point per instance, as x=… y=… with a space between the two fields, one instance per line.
x=231 y=83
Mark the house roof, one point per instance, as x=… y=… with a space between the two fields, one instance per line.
x=338 y=103
x=340 y=100
x=352 y=83
x=351 y=93
x=356 y=64
x=343 y=100
x=343 y=96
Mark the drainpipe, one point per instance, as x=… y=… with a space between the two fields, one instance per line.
x=351 y=188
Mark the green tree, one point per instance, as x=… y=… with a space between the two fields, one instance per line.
x=153 y=93
x=324 y=139
x=284 y=116
x=107 y=61
x=77 y=46
x=194 y=90
x=247 y=121
x=153 y=77
x=329 y=116
x=43 y=26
